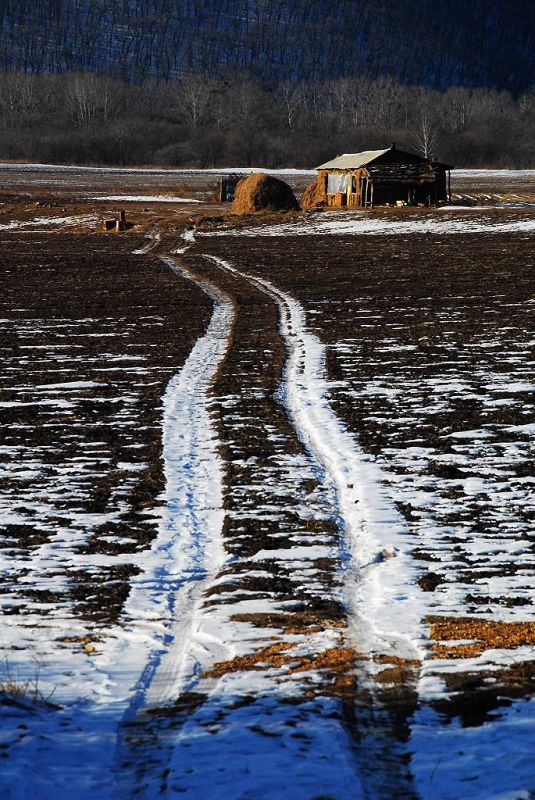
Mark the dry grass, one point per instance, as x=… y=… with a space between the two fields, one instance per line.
x=482 y=635
x=292 y=624
x=22 y=692
x=87 y=642
x=397 y=671
x=336 y=665
x=335 y=659
x=273 y=656
x=314 y=195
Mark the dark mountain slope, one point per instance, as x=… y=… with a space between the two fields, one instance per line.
x=431 y=42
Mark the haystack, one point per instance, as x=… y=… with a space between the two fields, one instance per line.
x=314 y=195
x=261 y=192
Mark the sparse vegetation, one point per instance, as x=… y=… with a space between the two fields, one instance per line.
x=23 y=692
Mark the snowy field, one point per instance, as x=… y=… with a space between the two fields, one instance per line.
x=468 y=186
x=266 y=497
x=434 y=374
x=85 y=182
x=451 y=220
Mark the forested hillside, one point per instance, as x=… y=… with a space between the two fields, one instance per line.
x=435 y=43
x=272 y=82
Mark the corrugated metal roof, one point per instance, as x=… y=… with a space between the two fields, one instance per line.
x=353 y=160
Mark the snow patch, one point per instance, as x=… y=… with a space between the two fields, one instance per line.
x=362 y=224
x=145 y=198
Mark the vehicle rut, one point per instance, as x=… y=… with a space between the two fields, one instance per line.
x=189 y=552
x=285 y=607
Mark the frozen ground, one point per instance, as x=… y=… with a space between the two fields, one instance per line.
x=360 y=223
x=433 y=370
x=43 y=223
x=30 y=167
x=347 y=483
x=85 y=182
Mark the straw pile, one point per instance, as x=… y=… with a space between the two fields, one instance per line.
x=314 y=195
x=261 y=192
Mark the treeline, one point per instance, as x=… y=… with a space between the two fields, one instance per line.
x=85 y=118
x=435 y=43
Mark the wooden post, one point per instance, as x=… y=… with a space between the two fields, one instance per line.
x=449 y=186
x=371 y=197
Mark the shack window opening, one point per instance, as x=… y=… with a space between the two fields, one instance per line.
x=336 y=183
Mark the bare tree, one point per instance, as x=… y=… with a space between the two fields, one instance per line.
x=203 y=120
x=361 y=89
x=193 y=95
x=456 y=108
x=247 y=104
x=18 y=99
x=292 y=100
x=425 y=136
x=90 y=98
x=383 y=101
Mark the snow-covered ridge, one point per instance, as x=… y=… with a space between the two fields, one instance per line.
x=10 y=166
x=493 y=173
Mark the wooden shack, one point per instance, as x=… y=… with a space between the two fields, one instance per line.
x=384 y=177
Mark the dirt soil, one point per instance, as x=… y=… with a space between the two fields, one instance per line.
x=398 y=313
x=96 y=333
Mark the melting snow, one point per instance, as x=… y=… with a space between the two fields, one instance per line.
x=145 y=198
x=362 y=224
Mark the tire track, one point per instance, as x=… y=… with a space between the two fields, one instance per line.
x=378 y=584
x=274 y=606
x=189 y=737
x=189 y=551
x=381 y=572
